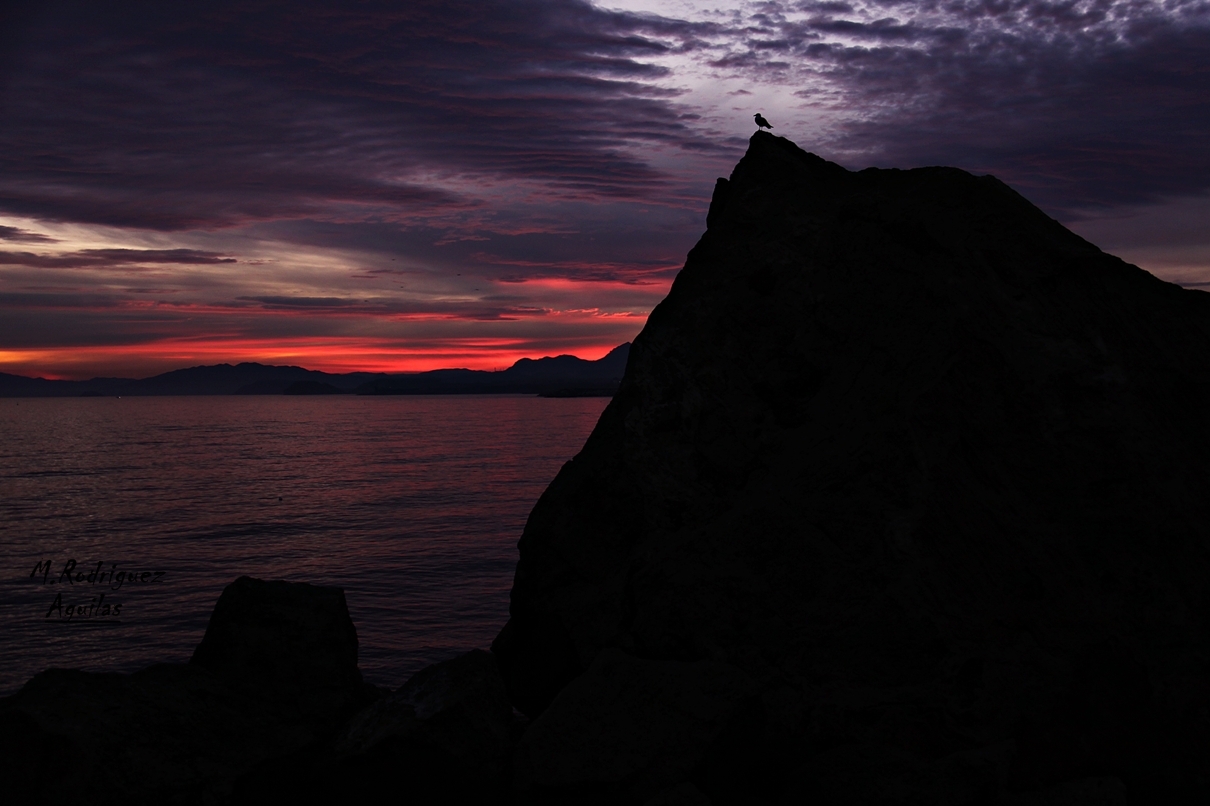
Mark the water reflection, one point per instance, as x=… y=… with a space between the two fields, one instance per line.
x=412 y=504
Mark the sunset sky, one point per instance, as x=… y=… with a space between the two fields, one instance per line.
x=410 y=185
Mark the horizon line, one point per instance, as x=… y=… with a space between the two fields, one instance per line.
x=305 y=369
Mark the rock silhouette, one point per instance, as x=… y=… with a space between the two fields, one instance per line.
x=910 y=483
x=286 y=643
x=276 y=672
x=445 y=736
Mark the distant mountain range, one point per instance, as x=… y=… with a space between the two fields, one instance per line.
x=559 y=376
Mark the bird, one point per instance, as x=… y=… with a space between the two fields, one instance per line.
x=761 y=123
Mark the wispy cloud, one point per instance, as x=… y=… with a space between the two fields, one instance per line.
x=1083 y=104
x=112 y=258
x=193 y=117
x=19 y=235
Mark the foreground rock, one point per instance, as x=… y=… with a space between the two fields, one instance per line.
x=631 y=729
x=291 y=645
x=445 y=736
x=904 y=498
x=275 y=672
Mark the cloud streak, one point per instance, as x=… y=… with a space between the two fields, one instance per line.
x=209 y=117
x=18 y=235
x=1083 y=104
x=113 y=258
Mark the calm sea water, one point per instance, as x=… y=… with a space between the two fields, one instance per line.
x=413 y=505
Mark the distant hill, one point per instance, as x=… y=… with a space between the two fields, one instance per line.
x=563 y=374
x=219 y=379
x=20 y=386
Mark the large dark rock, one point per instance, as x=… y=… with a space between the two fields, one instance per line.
x=929 y=471
x=457 y=709
x=445 y=736
x=631 y=729
x=168 y=733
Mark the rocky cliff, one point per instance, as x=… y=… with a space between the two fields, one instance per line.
x=904 y=498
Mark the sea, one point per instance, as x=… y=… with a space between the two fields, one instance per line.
x=122 y=519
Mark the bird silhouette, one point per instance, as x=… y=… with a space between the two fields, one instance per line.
x=761 y=123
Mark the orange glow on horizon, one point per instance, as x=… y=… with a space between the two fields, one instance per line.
x=658 y=288
x=334 y=355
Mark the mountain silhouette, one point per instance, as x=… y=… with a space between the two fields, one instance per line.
x=565 y=373
x=527 y=375
x=217 y=379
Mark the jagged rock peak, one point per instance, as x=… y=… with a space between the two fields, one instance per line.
x=925 y=470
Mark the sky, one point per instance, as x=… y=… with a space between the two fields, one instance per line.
x=401 y=186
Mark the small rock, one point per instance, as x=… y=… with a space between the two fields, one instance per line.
x=286 y=642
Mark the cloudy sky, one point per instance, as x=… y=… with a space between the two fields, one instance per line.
x=406 y=185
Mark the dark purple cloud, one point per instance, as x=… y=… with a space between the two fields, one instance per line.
x=112 y=258
x=173 y=117
x=1079 y=103
x=170 y=117
x=479 y=310
x=18 y=235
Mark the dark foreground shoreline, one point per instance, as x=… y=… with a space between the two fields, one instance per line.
x=271 y=708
